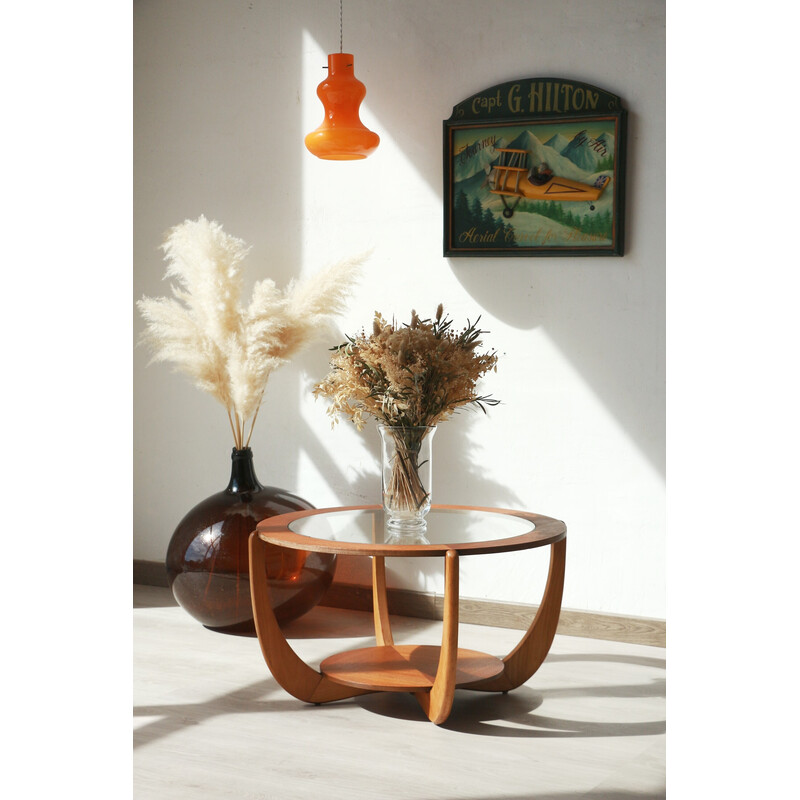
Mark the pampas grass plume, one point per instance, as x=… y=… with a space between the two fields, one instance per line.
x=227 y=349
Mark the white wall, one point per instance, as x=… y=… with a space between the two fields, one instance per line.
x=224 y=93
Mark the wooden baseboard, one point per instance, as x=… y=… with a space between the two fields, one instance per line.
x=149 y=573
x=499 y=614
x=406 y=603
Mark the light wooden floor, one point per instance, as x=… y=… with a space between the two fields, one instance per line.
x=210 y=722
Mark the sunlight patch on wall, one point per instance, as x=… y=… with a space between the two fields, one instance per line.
x=561 y=407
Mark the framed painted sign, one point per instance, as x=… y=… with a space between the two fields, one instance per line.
x=535 y=167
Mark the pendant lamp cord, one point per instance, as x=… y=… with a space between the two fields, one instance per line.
x=340 y=26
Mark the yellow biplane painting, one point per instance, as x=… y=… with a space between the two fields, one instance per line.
x=510 y=178
x=539 y=186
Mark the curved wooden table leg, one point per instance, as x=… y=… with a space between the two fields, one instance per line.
x=291 y=672
x=380 y=606
x=438 y=702
x=529 y=654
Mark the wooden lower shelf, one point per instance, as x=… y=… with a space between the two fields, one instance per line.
x=405 y=668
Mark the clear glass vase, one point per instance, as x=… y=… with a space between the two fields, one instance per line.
x=406 y=477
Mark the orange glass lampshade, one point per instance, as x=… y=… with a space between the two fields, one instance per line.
x=341 y=136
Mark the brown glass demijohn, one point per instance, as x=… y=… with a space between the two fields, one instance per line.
x=208 y=561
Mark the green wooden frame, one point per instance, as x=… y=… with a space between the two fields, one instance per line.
x=497 y=203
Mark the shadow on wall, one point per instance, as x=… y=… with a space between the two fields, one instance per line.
x=593 y=313
x=597 y=311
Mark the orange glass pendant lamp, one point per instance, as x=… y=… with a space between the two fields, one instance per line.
x=341 y=136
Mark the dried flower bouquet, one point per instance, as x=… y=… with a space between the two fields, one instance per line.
x=227 y=349
x=409 y=378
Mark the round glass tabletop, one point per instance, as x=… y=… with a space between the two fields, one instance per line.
x=458 y=528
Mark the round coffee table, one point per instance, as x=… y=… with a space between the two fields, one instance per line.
x=432 y=674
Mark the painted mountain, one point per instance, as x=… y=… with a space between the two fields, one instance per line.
x=588 y=153
x=561 y=164
x=467 y=166
x=559 y=143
